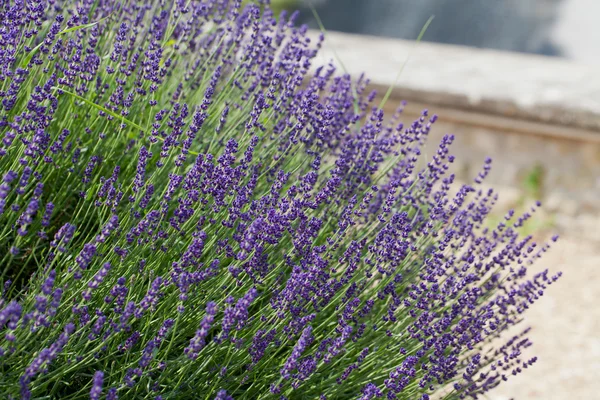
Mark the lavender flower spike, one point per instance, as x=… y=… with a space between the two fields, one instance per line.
x=96 y=390
x=198 y=341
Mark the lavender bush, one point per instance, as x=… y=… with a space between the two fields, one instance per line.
x=186 y=213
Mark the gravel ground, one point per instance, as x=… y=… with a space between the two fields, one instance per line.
x=566 y=328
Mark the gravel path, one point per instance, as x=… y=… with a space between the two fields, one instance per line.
x=566 y=328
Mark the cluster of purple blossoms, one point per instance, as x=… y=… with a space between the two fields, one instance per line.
x=190 y=208
x=96 y=391
x=198 y=341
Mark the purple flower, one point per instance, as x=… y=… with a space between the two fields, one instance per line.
x=24 y=180
x=85 y=258
x=47 y=214
x=45 y=357
x=27 y=217
x=96 y=281
x=87 y=173
x=152 y=296
x=111 y=394
x=371 y=391
x=198 y=341
x=63 y=237
x=49 y=283
x=130 y=342
x=155 y=343
x=222 y=395
x=291 y=363
x=260 y=342
x=10 y=315
x=237 y=315
x=96 y=390
x=111 y=225
x=143 y=158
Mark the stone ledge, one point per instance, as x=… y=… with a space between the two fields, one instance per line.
x=519 y=86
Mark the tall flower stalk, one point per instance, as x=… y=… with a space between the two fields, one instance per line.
x=186 y=212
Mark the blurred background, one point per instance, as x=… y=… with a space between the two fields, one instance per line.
x=516 y=80
x=565 y=28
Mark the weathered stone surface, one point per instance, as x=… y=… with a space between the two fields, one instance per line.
x=548 y=88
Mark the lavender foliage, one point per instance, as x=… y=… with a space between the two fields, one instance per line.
x=189 y=208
